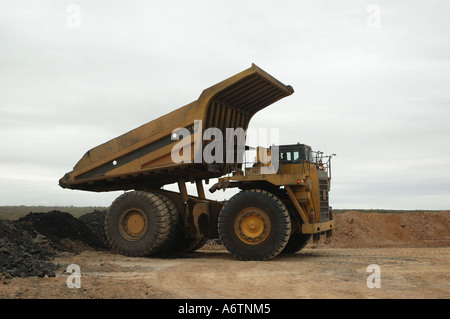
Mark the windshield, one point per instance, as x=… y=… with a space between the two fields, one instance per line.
x=295 y=154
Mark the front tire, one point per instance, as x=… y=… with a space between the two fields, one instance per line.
x=254 y=225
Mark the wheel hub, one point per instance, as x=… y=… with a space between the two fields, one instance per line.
x=133 y=224
x=252 y=225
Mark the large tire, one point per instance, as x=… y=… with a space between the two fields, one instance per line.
x=186 y=245
x=254 y=225
x=192 y=244
x=137 y=224
x=296 y=242
x=177 y=241
x=175 y=225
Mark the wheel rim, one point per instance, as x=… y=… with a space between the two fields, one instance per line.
x=252 y=225
x=133 y=224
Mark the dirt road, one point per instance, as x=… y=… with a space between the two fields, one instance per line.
x=412 y=251
x=213 y=273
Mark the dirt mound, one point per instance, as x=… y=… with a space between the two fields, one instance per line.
x=27 y=245
x=415 y=229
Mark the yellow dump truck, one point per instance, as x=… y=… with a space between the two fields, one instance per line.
x=283 y=198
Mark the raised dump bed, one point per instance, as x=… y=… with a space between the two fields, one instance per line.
x=141 y=158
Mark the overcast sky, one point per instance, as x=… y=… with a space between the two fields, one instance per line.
x=371 y=80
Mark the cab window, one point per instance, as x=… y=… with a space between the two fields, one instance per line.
x=286 y=156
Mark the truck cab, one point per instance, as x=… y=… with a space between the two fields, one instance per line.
x=300 y=177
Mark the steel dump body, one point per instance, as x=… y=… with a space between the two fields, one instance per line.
x=141 y=159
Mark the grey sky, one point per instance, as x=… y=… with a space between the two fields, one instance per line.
x=371 y=80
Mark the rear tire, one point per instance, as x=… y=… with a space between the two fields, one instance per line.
x=188 y=245
x=175 y=225
x=197 y=243
x=296 y=242
x=254 y=225
x=177 y=241
x=137 y=224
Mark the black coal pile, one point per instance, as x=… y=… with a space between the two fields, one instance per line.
x=28 y=245
x=65 y=232
x=96 y=223
x=24 y=254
